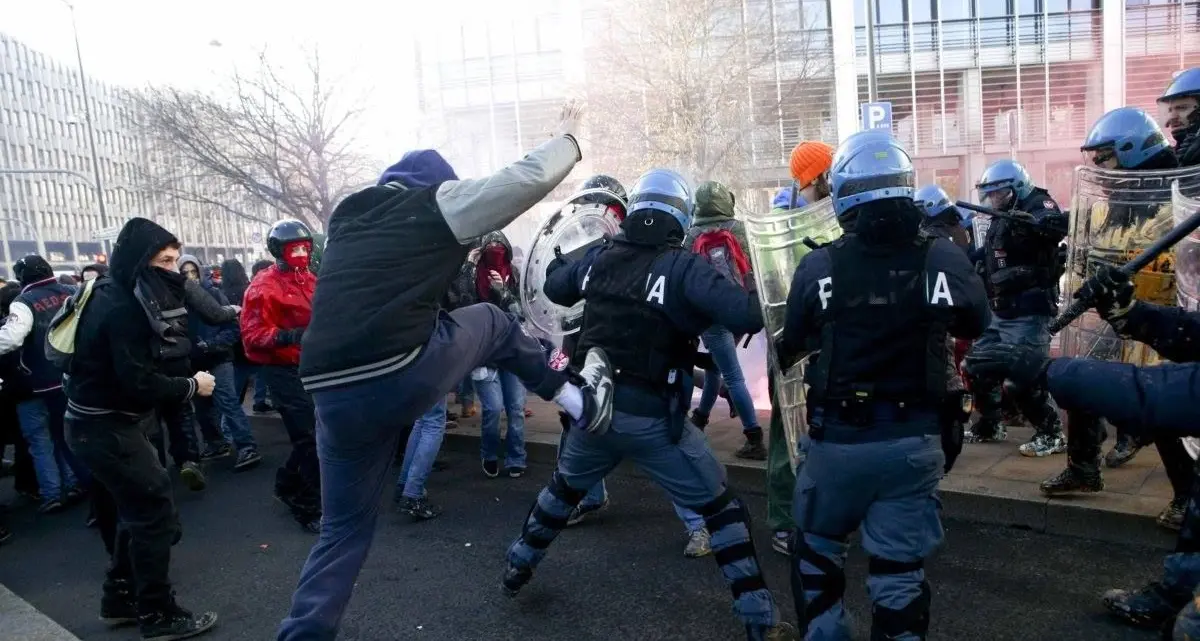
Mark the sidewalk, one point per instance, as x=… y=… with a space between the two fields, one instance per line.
x=991 y=483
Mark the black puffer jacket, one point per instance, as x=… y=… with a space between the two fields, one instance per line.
x=114 y=368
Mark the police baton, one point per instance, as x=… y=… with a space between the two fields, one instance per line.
x=988 y=211
x=1079 y=306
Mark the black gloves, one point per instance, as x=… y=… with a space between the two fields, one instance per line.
x=1110 y=291
x=559 y=261
x=285 y=337
x=1025 y=366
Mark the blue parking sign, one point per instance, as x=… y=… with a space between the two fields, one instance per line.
x=877 y=115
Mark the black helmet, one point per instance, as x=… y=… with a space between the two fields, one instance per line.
x=284 y=232
x=601 y=181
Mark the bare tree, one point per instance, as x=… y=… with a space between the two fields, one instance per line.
x=286 y=145
x=702 y=86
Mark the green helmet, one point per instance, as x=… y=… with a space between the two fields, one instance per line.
x=713 y=198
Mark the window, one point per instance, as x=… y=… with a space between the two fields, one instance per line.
x=921 y=10
x=993 y=8
x=954 y=9
x=889 y=12
x=816 y=14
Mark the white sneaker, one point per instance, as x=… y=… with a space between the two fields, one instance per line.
x=597 y=391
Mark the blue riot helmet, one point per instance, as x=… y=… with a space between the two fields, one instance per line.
x=1003 y=184
x=658 y=195
x=869 y=166
x=1124 y=138
x=788 y=198
x=934 y=201
x=1181 y=104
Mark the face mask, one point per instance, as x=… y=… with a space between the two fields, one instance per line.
x=296 y=255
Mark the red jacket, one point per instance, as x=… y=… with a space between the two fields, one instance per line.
x=276 y=300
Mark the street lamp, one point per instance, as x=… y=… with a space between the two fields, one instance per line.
x=91 y=130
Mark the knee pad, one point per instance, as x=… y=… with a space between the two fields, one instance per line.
x=830 y=583
x=886 y=623
x=561 y=492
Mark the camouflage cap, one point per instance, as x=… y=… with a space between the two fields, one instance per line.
x=714 y=198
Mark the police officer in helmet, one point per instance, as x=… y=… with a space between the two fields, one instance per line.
x=876 y=392
x=1181 y=101
x=1022 y=263
x=648 y=300
x=942 y=218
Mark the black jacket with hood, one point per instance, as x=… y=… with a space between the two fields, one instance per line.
x=508 y=296
x=115 y=369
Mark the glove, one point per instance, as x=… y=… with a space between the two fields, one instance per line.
x=285 y=337
x=559 y=262
x=1110 y=291
x=572 y=115
x=1025 y=366
x=202 y=346
x=1021 y=216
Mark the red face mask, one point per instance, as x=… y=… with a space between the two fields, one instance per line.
x=297 y=255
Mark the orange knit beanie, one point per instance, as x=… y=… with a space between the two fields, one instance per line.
x=810 y=159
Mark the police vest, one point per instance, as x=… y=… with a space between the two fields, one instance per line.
x=1007 y=249
x=881 y=339
x=643 y=345
x=44 y=301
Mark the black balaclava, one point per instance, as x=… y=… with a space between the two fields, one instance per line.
x=889 y=222
x=31 y=269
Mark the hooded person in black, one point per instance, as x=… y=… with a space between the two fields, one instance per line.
x=93 y=271
x=114 y=383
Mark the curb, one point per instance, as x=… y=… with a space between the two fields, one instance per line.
x=23 y=621
x=966 y=498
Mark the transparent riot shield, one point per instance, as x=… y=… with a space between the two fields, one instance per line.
x=582 y=222
x=1185 y=201
x=1115 y=215
x=980 y=223
x=776 y=247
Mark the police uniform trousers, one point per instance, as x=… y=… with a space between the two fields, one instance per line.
x=688 y=471
x=883 y=478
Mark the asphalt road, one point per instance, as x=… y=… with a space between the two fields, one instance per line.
x=621 y=577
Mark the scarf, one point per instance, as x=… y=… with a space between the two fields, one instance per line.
x=491 y=260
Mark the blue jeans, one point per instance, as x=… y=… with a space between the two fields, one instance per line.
x=1031 y=331
x=721 y=345
x=888 y=489
x=423 y=445
x=358 y=430
x=502 y=390
x=465 y=394
x=241 y=374
x=234 y=423
x=41 y=417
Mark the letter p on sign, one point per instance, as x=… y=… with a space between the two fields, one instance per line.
x=877 y=115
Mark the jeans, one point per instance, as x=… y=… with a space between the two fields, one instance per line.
x=721 y=344
x=423 y=445
x=359 y=430
x=224 y=409
x=1025 y=330
x=465 y=394
x=242 y=372
x=123 y=461
x=41 y=417
x=502 y=390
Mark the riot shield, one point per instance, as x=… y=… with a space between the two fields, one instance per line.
x=582 y=222
x=776 y=247
x=1115 y=215
x=1187 y=252
x=980 y=223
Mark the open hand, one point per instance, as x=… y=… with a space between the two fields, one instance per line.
x=572 y=116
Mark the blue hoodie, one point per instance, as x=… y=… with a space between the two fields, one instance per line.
x=419 y=168
x=783 y=198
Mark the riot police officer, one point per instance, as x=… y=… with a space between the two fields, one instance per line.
x=875 y=392
x=1022 y=264
x=648 y=300
x=1181 y=101
x=943 y=219
x=1127 y=139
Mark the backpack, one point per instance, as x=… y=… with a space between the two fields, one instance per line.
x=60 y=338
x=721 y=249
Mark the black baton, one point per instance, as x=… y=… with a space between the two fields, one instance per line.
x=1169 y=240
x=988 y=211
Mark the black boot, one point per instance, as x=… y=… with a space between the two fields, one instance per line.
x=118 y=604
x=173 y=622
x=1150 y=607
x=1076 y=478
x=753 y=449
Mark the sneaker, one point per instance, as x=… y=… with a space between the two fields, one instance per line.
x=74 y=496
x=597 y=391
x=247 y=458
x=491 y=469
x=118 y=605
x=753 y=449
x=1149 y=607
x=215 y=451
x=192 y=476
x=781 y=542
x=53 y=506
x=699 y=419
x=263 y=408
x=514 y=579
x=173 y=622
x=515 y=472
x=1172 y=516
x=1044 y=445
x=983 y=431
x=419 y=509
x=699 y=544
x=780 y=632
x=1074 y=479
x=1122 y=452
x=582 y=511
